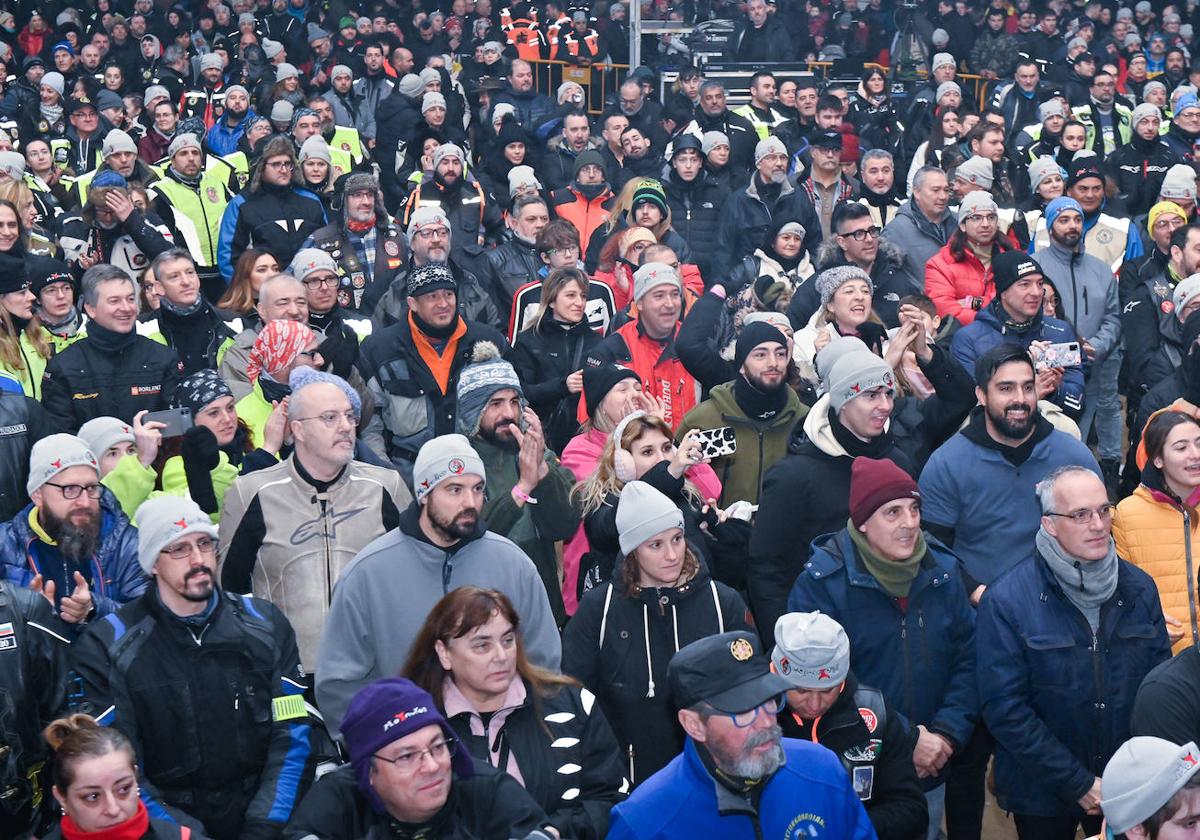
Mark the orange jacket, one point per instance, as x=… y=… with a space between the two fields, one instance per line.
x=947 y=282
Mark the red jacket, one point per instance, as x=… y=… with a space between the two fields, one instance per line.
x=948 y=281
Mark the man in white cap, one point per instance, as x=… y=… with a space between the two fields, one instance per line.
x=647 y=344
x=1151 y=790
x=376 y=613
x=207 y=99
x=475 y=220
x=1140 y=165
x=204 y=661
x=71 y=542
x=191 y=199
x=827 y=704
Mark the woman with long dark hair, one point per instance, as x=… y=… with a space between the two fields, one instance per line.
x=24 y=346
x=538 y=726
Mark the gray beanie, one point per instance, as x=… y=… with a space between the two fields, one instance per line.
x=522 y=176
x=12 y=164
x=1185 y=290
x=55 y=453
x=1041 y=169
x=712 y=139
x=411 y=85
x=315 y=147
x=308 y=260
x=831 y=279
x=770 y=146
x=286 y=71
x=829 y=354
x=281 y=111
x=1142 y=776
x=340 y=70
x=478 y=382
x=304 y=375
x=102 y=433
x=238 y=88
x=55 y=81
x=1145 y=111
x=164 y=520
x=944 y=88
x=974 y=202
x=812 y=651
x=976 y=170
x=271 y=48
x=1153 y=83
x=941 y=60
x=432 y=99
x=441 y=458
x=643 y=512
x=429 y=75
x=1051 y=108
x=448 y=150
x=424 y=216
x=654 y=274
x=117 y=141
x=1179 y=182
x=855 y=374
x=183 y=141
x=159 y=92
x=212 y=61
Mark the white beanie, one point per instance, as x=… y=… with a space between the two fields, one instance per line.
x=654 y=274
x=942 y=59
x=55 y=81
x=812 y=651
x=1187 y=289
x=447 y=150
x=1142 y=776
x=183 y=141
x=162 y=521
x=432 y=99
x=643 y=512
x=974 y=202
x=1145 y=111
x=771 y=146
x=1179 y=182
x=522 y=176
x=856 y=373
x=315 y=147
x=308 y=260
x=103 y=433
x=117 y=141
x=55 y=453
x=12 y=164
x=441 y=458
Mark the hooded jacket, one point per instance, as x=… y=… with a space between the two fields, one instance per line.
x=917 y=237
x=920 y=652
x=376 y=613
x=1088 y=291
x=746 y=217
x=618 y=645
x=112 y=572
x=695 y=215
x=1057 y=696
x=276 y=218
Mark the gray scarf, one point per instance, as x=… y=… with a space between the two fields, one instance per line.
x=1087 y=584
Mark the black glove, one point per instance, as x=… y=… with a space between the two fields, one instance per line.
x=201 y=454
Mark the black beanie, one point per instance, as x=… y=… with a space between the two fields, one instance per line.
x=599 y=380
x=46 y=270
x=13 y=277
x=753 y=335
x=1011 y=266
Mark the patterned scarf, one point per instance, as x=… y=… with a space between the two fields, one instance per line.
x=277 y=346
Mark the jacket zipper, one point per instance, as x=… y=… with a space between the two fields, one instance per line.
x=1191 y=576
x=328 y=559
x=908 y=694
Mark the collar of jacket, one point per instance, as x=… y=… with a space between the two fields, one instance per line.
x=410 y=526
x=841 y=549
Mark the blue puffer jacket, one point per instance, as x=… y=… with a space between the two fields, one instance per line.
x=114 y=576
x=988 y=331
x=810 y=796
x=923 y=657
x=1057 y=699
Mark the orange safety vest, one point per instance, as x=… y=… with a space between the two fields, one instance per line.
x=526 y=37
x=552 y=31
x=662 y=374
x=591 y=39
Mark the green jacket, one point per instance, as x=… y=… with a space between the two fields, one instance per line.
x=759 y=444
x=133 y=484
x=30 y=375
x=255 y=410
x=535 y=528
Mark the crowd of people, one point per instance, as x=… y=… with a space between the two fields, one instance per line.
x=416 y=423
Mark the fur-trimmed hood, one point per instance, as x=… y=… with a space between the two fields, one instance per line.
x=830 y=254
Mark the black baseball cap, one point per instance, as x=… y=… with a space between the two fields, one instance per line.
x=728 y=672
x=827 y=140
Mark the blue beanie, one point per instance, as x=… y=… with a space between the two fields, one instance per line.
x=110 y=178
x=1058 y=205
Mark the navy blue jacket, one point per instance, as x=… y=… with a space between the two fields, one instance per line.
x=1057 y=699
x=921 y=657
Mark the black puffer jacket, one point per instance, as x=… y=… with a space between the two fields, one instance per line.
x=627 y=670
x=696 y=215
x=23 y=422
x=1139 y=167
x=488 y=805
x=395 y=120
x=565 y=749
x=544 y=357
x=33 y=651
x=169 y=684
x=509 y=267
x=278 y=219
x=875 y=746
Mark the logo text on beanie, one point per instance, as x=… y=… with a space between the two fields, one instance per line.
x=401 y=717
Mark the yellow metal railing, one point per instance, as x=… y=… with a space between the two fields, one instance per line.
x=597 y=80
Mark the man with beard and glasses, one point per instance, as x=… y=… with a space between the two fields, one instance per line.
x=529 y=498
x=384 y=594
x=760 y=407
x=207 y=685
x=987 y=514
x=737 y=776
x=1064 y=641
x=72 y=543
x=1089 y=303
x=290 y=529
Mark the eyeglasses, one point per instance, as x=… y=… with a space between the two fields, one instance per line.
x=410 y=760
x=281 y=164
x=317 y=282
x=73 y=491
x=982 y=218
x=771 y=707
x=330 y=418
x=563 y=252
x=431 y=232
x=310 y=354
x=859 y=235
x=181 y=551
x=1083 y=516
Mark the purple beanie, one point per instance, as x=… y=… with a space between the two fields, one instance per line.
x=386 y=711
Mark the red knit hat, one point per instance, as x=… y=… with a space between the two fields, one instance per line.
x=851 y=152
x=875 y=483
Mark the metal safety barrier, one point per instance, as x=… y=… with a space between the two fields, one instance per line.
x=597 y=80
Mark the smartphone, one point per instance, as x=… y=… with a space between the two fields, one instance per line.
x=1062 y=355
x=715 y=443
x=177 y=420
